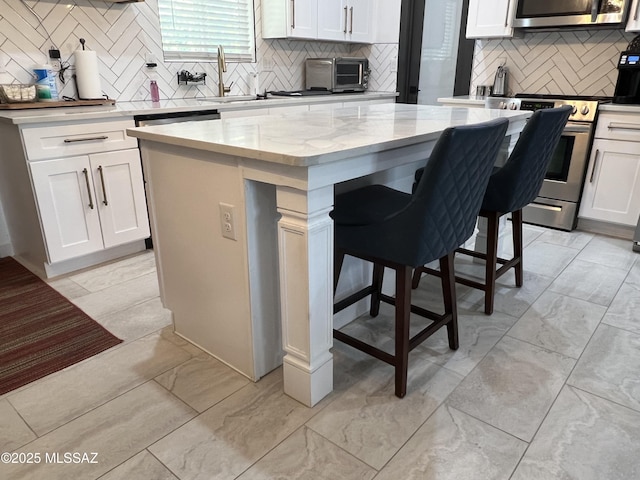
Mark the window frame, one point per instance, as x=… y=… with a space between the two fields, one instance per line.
x=206 y=56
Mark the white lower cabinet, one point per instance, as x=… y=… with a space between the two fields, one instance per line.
x=612 y=188
x=91 y=202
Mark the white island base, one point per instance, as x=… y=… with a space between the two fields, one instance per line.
x=270 y=290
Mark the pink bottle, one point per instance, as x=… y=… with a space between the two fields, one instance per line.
x=155 y=93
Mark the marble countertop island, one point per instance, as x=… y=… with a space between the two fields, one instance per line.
x=311 y=138
x=242 y=233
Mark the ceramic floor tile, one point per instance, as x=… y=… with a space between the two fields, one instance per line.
x=508 y=298
x=224 y=441
x=138 y=321
x=610 y=252
x=559 y=323
x=625 y=307
x=610 y=366
x=168 y=334
x=584 y=437
x=547 y=259
x=452 y=445
x=143 y=466
x=127 y=424
x=84 y=386
x=13 y=431
x=574 y=239
x=478 y=333
x=513 y=387
x=119 y=297
x=305 y=455
x=371 y=423
x=68 y=288
x=116 y=272
x=588 y=281
x=202 y=381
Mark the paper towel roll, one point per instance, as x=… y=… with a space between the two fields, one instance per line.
x=87 y=75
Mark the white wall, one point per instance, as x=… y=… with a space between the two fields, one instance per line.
x=575 y=62
x=123 y=34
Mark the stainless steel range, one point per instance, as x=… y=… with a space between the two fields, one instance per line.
x=557 y=203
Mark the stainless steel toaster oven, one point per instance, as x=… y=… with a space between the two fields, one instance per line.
x=337 y=74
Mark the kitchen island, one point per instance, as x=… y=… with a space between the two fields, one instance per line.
x=240 y=218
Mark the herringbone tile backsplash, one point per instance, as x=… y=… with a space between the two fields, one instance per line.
x=581 y=62
x=122 y=34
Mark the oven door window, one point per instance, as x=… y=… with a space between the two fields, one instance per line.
x=547 y=8
x=561 y=161
x=347 y=74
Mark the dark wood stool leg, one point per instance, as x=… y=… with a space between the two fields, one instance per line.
x=449 y=293
x=491 y=262
x=516 y=221
x=403 y=310
x=417 y=274
x=378 y=275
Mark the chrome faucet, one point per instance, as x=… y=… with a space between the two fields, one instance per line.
x=222 y=67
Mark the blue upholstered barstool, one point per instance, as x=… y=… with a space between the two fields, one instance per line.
x=512 y=187
x=402 y=231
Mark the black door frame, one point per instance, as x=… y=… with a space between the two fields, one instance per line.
x=410 y=47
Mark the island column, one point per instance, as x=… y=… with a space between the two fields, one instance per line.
x=305 y=247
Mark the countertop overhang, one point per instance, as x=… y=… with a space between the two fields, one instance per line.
x=316 y=137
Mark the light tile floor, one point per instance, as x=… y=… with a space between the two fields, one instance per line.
x=548 y=387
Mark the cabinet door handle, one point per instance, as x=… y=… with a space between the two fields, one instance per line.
x=86 y=139
x=595 y=7
x=595 y=165
x=104 y=190
x=506 y=17
x=293 y=13
x=623 y=126
x=86 y=177
x=345 y=20
x=351 y=27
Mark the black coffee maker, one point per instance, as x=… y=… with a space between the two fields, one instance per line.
x=628 y=85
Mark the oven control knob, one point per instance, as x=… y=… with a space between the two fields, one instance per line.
x=502 y=106
x=575 y=110
x=513 y=106
x=584 y=110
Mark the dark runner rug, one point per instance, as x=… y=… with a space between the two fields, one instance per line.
x=41 y=332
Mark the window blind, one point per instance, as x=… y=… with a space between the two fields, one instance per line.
x=193 y=29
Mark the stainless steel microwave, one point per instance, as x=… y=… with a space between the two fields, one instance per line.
x=337 y=74
x=565 y=13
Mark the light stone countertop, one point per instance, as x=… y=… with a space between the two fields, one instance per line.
x=311 y=138
x=619 y=108
x=130 y=109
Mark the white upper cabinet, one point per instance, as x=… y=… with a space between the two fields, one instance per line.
x=360 y=15
x=290 y=19
x=633 y=24
x=345 y=20
x=355 y=21
x=490 y=18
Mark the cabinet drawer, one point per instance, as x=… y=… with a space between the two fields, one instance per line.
x=55 y=141
x=619 y=126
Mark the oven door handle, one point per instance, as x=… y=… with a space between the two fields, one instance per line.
x=576 y=129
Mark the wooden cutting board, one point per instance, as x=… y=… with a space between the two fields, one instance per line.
x=62 y=103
